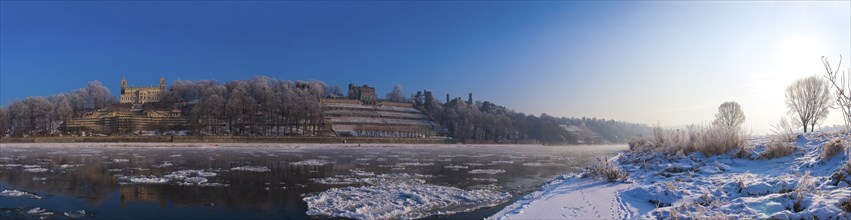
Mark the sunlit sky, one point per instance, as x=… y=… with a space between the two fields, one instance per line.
x=664 y=62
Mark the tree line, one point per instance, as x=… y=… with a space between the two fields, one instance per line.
x=260 y=106
x=265 y=106
x=38 y=115
x=477 y=121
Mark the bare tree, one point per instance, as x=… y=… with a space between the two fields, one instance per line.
x=841 y=88
x=809 y=100
x=729 y=115
x=3 y=121
x=396 y=95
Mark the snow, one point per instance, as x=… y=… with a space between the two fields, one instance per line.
x=398 y=196
x=310 y=163
x=16 y=193
x=568 y=198
x=799 y=186
x=251 y=169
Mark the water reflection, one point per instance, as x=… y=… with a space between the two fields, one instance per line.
x=98 y=179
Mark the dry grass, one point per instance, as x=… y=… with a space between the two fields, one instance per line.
x=776 y=149
x=842 y=174
x=744 y=153
x=709 y=140
x=605 y=169
x=805 y=185
x=784 y=130
x=831 y=149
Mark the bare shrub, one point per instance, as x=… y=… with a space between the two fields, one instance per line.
x=842 y=175
x=714 y=140
x=605 y=169
x=805 y=185
x=775 y=149
x=743 y=153
x=639 y=143
x=784 y=130
x=831 y=149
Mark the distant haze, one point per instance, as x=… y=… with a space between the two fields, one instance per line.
x=670 y=63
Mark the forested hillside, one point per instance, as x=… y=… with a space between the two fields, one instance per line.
x=265 y=106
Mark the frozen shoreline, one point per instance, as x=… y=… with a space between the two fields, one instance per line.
x=693 y=186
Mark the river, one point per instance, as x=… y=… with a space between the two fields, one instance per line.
x=239 y=181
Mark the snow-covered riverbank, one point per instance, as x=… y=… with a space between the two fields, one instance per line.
x=802 y=185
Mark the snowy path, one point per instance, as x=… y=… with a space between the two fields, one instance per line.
x=572 y=199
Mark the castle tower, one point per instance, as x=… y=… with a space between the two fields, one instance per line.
x=123 y=84
x=162 y=83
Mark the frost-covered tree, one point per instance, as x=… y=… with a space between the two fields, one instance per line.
x=238 y=108
x=841 y=84
x=3 y=121
x=396 y=95
x=98 y=96
x=809 y=100
x=729 y=115
x=62 y=110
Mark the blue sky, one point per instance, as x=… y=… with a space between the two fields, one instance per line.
x=662 y=62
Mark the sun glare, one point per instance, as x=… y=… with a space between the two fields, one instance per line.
x=796 y=53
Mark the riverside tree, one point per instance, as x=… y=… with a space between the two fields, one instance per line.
x=729 y=115
x=809 y=100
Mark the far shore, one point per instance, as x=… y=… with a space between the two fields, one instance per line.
x=256 y=140
x=223 y=139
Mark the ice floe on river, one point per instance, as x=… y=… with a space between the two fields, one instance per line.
x=398 y=196
x=251 y=169
x=486 y=171
x=16 y=193
x=310 y=163
x=180 y=177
